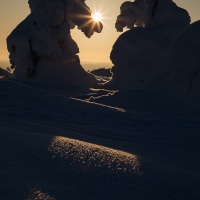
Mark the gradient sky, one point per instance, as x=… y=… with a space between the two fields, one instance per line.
x=95 y=49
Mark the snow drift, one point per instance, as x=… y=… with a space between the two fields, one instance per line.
x=53 y=147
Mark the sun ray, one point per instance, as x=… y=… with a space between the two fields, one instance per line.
x=97 y=16
x=87 y=23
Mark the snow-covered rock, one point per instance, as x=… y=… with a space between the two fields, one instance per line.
x=41 y=45
x=140 y=54
x=184 y=60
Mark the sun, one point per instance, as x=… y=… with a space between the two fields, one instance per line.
x=97 y=17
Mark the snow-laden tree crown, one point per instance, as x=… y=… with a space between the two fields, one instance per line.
x=140 y=54
x=45 y=34
x=149 y=13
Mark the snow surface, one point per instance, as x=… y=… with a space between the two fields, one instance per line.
x=53 y=146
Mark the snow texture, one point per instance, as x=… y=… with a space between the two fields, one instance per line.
x=56 y=147
x=41 y=46
x=140 y=54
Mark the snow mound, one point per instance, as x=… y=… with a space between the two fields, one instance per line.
x=184 y=63
x=88 y=155
x=140 y=54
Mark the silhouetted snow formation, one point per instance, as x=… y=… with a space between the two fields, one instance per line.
x=140 y=54
x=69 y=142
x=41 y=46
x=184 y=61
x=145 y=63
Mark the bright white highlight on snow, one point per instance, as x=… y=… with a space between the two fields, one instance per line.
x=97 y=17
x=94 y=156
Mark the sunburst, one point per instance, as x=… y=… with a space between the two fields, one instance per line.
x=97 y=16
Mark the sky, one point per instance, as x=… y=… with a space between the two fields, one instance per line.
x=95 y=49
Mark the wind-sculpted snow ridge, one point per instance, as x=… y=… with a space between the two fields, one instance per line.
x=140 y=100
x=41 y=46
x=102 y=75
x=90 y=156
x=118 y=109
x=102 y=72
x=38 y=104
x=140 y=54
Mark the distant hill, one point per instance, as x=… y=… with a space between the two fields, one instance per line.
x=86 y=65
x=95 y=65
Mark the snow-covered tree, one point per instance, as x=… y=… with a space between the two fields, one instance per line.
x=184 y=61
x=139 y=55
x=41 y=46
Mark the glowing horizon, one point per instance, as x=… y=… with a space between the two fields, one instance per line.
x=99 y=46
